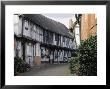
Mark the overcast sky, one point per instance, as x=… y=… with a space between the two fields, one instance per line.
x=63 y=18
x=60 y=15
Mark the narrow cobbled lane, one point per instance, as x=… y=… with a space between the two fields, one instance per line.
x=48 y=70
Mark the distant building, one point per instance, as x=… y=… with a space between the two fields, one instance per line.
x=70 y=24
x=74 y=29
x=88 y=26
x=83 y=26
x=38 y=39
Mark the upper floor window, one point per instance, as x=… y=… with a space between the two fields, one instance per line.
x=40 y=32
x=51 y=36
x=31 y=26
x=63 y=39
x=26 y=28
x=56 y=37
x=34 y=29
x=26 y=24
x=45 y=33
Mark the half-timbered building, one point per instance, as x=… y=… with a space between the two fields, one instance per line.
x=38 y=39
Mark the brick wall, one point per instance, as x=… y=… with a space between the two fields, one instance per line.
x=88 y=26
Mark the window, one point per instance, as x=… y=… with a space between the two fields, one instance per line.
x=63 y=39
x=29 y=49
x=47 y=36
x=33 y=31
x=59 y=40
x=51 y=37
x=56 y=54
x=26 y=24
x=44 y=35
x=31 y=26
x=26 y=28
x=40 y=35
x=42 y=52
x=56 y=37
x=47 y=53
x=67 y=42
x=40 y=32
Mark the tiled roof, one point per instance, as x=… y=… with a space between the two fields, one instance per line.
x=49 y=24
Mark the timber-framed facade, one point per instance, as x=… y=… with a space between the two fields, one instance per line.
x=38 y=39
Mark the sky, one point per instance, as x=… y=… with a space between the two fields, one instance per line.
x=64 y=18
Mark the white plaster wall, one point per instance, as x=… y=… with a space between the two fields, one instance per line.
x=17 y=25
x=54 y=42
x=26 y=32
x=29 y=53
x=33 y=31
x=19 y=48
x=61 y=41
x=37 y=32
x=40 y=35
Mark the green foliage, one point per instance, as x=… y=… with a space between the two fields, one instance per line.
x=20 y=66
x=87 y=57
x=74 y=65
x=75 y=53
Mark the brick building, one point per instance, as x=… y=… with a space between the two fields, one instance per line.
x=88 y=26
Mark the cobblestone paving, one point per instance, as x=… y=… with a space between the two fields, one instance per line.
x=48 y=70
